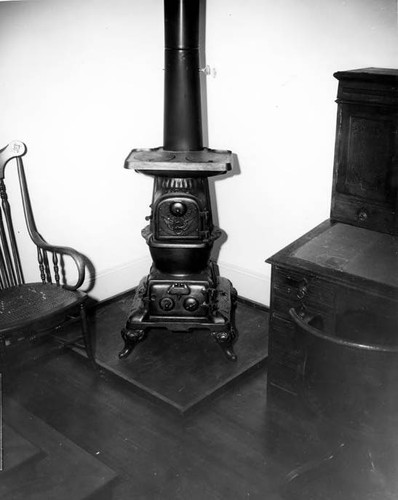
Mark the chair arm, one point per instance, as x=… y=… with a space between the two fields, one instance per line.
x=17 y=149
x=77 y=257
x=39 y=240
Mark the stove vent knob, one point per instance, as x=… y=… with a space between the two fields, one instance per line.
x=191 y=304
x=178 y=208
x=166 y=304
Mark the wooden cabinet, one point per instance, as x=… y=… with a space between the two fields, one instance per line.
x=340 y=280
x=344 y=278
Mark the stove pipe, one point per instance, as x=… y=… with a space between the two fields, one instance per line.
x=182 y=97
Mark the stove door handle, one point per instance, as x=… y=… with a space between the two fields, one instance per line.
x=179 y=289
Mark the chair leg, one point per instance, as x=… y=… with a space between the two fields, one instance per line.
x=87 y=335
x=3 y=362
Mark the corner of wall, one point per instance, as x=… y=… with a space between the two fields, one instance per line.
x=250 y=285
x=118 y=279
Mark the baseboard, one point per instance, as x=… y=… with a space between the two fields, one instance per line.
x=117 y=280
x=253 y=303
x=112 y=283
x=251 y=285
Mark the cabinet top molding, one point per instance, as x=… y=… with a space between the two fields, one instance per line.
x=381 y=75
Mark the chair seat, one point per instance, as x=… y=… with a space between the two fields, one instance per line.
x=23 y=305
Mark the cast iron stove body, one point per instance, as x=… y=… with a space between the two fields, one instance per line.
x=183 y=290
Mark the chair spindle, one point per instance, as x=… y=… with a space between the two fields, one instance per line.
x=56 y=268
x=40 y=259
x=47 y=267
x=12 y=265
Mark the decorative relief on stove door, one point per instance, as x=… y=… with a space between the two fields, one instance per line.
x=178 y=218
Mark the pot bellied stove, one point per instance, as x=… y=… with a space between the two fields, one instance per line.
x=183 y=290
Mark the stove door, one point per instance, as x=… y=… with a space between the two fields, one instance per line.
x=177 y=218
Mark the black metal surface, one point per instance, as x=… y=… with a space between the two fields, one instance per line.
x=182 y=101
x=180 y=164
x=181 y=21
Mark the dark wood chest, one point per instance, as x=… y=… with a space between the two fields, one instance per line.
x=340 y=280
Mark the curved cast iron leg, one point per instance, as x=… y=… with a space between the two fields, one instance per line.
x=226 y=340
x=131 y=339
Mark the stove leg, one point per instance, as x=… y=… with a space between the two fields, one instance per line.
x=234 y=297
x=131 y=339
x=226 y=339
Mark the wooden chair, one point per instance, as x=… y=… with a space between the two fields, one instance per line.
x=28 y=310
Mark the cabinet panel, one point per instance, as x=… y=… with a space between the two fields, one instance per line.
x=366 y=162
x=365 y=184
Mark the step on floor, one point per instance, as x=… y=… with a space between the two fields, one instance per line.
x=41 y=464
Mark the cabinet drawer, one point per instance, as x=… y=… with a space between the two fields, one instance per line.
x=281 y=306
x=300 y=288
x=364 y=213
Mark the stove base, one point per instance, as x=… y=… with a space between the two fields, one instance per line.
x=220 y=317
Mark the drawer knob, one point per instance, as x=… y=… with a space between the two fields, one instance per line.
x=302 y=289
x=363 y=215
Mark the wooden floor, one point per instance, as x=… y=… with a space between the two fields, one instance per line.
x=76 y=433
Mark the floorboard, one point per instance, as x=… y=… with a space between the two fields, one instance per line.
x=245 y=442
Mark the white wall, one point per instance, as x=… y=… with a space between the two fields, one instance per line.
x=82 y=84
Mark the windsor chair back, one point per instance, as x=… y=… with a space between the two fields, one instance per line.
x=28 y=310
